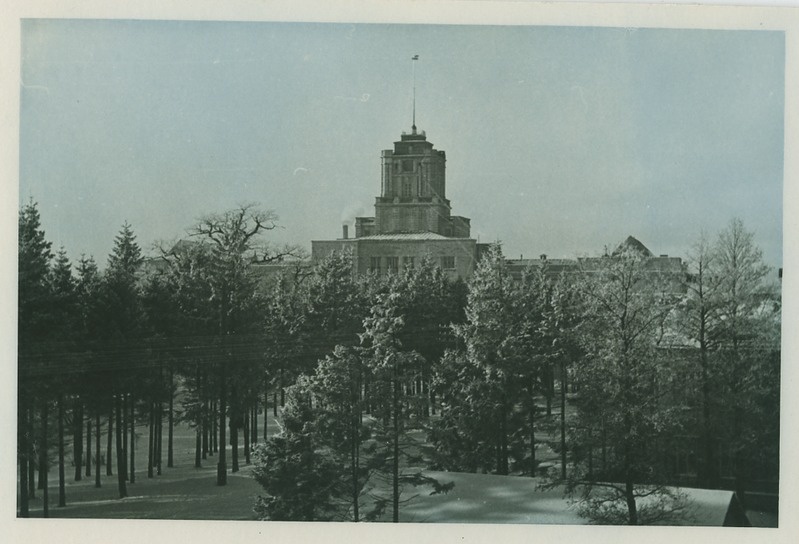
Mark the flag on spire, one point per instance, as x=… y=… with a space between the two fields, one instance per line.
x=415 y=57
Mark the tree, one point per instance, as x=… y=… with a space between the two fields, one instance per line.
x=88 y=325
x=482 y=381
x=298 y=481
x=234 y=242
x=623 y=381
x=549 y=315
x=34 y=256
x=430 y=304
x=64 y=312
x=337 y=391
x=180 y=307
x=696 y=319
x=335 y=306
x=287 y=306
x=34 y=259
x=123 y=319
x=746 y=334
x=394 y=370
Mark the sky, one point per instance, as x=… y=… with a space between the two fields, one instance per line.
x=559 y=140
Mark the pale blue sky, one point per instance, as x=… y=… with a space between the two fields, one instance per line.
x=559 y=140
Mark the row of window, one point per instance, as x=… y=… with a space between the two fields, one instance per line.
x=392 y=263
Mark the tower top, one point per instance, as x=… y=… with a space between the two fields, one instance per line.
x=413 y=63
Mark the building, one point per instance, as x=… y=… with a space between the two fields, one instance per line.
x=412 y=217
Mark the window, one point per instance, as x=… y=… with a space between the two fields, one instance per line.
x=407 y=262
x=392 y=265
x=448 y=262
x=406 y=188
x=374 y=264
x=407 y=165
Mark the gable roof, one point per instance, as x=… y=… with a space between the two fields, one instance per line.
x=632 y=244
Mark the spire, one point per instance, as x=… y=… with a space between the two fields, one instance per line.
x=413 y=61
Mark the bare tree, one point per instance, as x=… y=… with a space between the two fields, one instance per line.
x=746 y=331
x=699 y=312
x=623 y=381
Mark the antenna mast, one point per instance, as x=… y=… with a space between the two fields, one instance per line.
x=413 y=62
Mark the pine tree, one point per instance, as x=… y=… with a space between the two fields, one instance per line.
x=123 y=324
x=34 y=256
x=482 y=381
x=393 y=371
x=64 y=313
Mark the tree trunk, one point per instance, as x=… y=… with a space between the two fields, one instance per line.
x=159 y=436
x=355 y=418
x=205 y=428
x=62 y=491
x=604 y=449
x=24 y=510
x=234 y=442
x=198 y=444
x=282 y=391
x=563 y=385
x=205 y=407
x=254 y=422
x=40 y=466
x=24 y=451
x=221 y=467
x=31 y=450
x=170 y=460
x=503 y=436
x=266 y=413
x=121 y=463
x=710 y=472
x=215 y=425
x=247 y=436
x=77 y=438
x=632 y=511
x=108 y=447
x=366 y=388
x=43 y=462
x=132 y=407
x=532 y=433
x=737 y=456
x=124 y=431
x=88 y=446
x=395 y=439
x=200 y=429
x=97 y=456
x=150 y=444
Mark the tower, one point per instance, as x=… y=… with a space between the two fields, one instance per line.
x=412 y=218
x=413 y=192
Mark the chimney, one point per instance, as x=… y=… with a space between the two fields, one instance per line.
x=345 y=234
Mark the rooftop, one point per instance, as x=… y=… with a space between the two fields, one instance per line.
x=408 y=236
